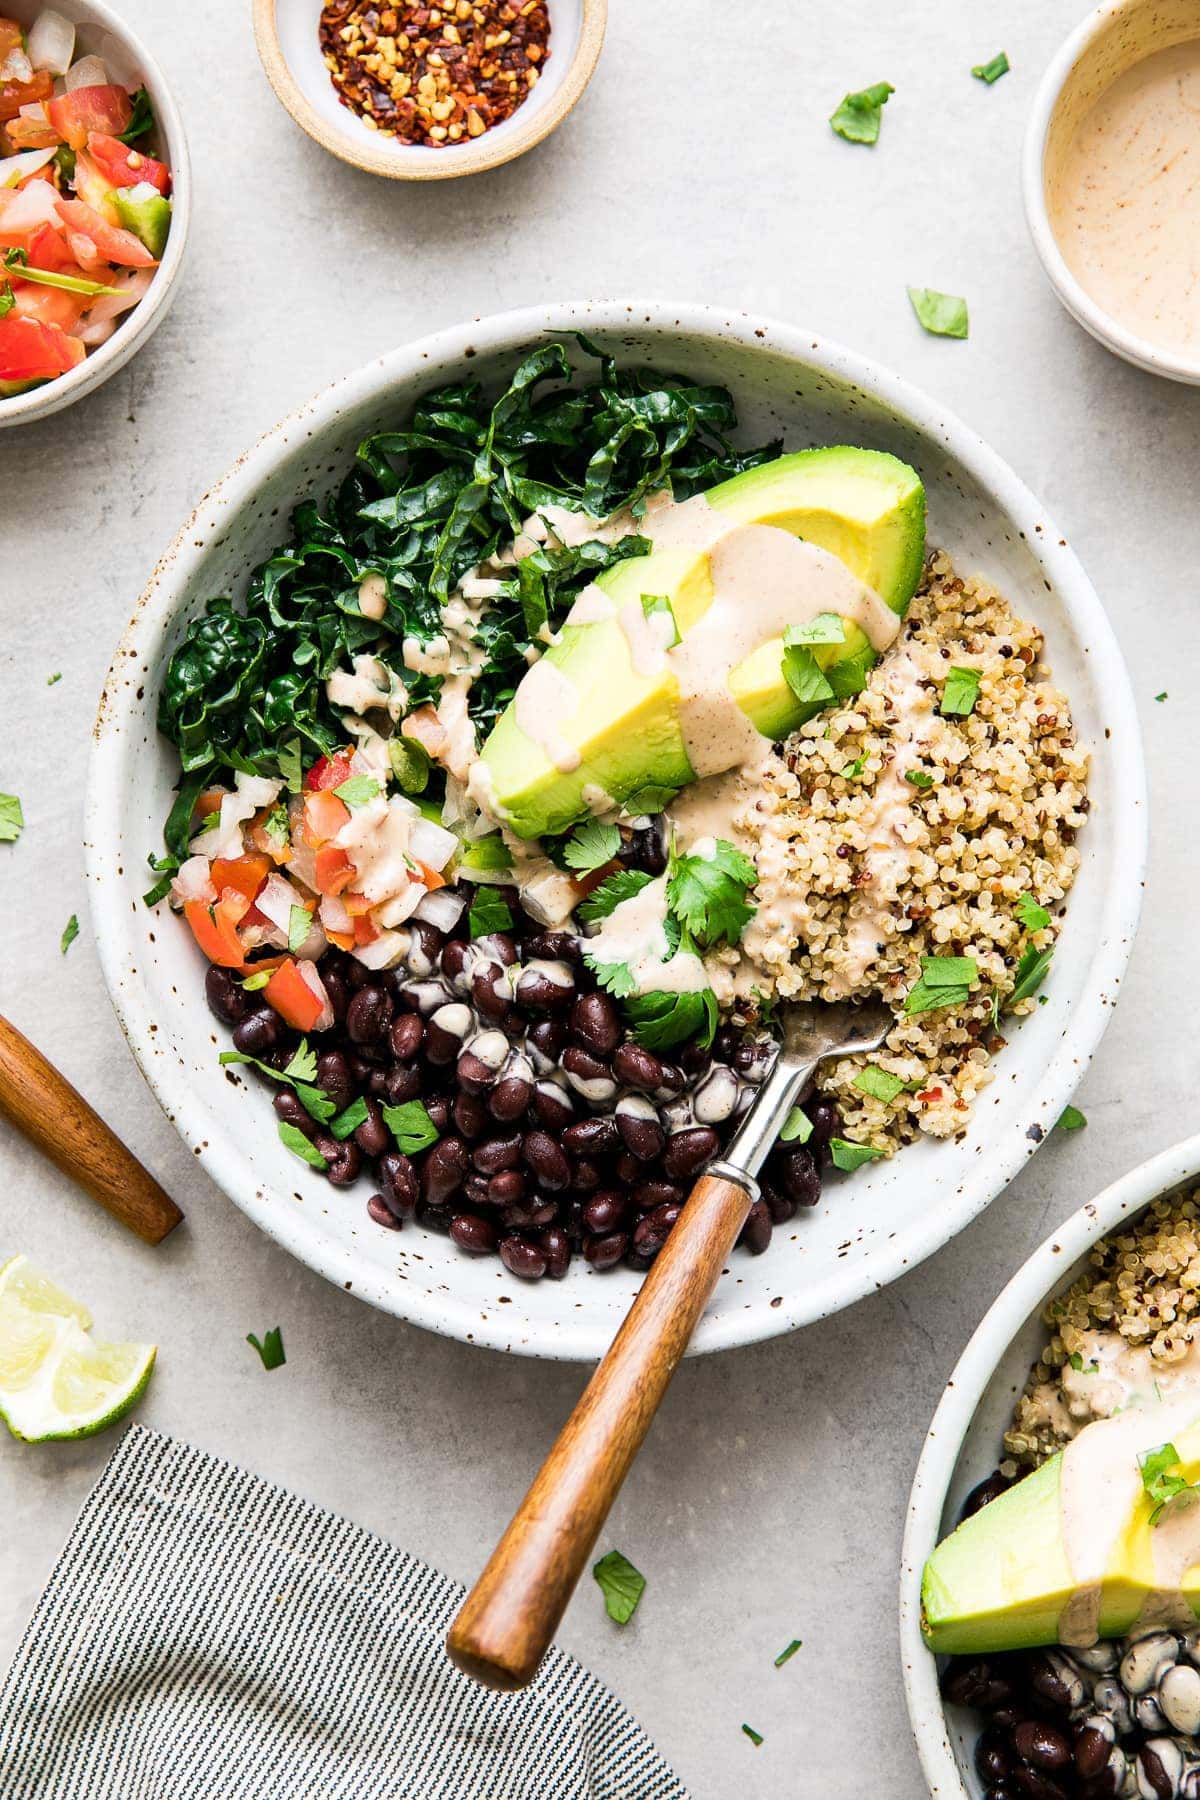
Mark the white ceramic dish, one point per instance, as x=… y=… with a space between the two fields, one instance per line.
x=870 y=1227
x=1108 y=42
x=99 y=32
x=963 y=1443
x=286 y=34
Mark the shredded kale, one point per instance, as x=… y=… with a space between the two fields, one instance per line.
x=420 y=507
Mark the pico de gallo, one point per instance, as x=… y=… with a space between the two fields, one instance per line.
x=85 y=209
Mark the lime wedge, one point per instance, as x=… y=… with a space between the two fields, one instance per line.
x=55 y=1380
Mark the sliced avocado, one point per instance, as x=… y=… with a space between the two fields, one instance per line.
x=145 y=212
x=1003 y=1579
x=862 y=505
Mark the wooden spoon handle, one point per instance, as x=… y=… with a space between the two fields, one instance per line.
x=42 y=1104
x=507 y=1621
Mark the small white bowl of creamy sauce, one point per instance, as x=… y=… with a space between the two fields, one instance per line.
x=1112 y=181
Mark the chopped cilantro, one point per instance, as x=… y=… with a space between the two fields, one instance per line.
x=257 y=980
x=70 y=933
x=300 y=1074
x=796 y=1128
x=141 y=119
x=355 y=1115
x=1158 y=1484
x=1031 y=972
x=290 y=766
x=850 y=1156
x=1071 y=1119
x=656 y=605
x=7 y=299
x=960 y=693
x=648 y=800
x=804 y=676
x=941 y=315
x=271 y=1348
x=944 y=981
x=1032 y=916
x=411 y=1126
x=1161 y=696
x=299 y=926
x=660 y=1020
x=303 y=1063
x=707 y=894
x=616 y=978
x=622 y=885
x=52 y=679
x=1077 y=1363
x=357 y=790
x=918 y=778
x=881 y=1084
x=853 y=770
x=294 y=1140
x=12 y=819
x=787 y=1655
x=489 y=912
x=590 y=846
x=826 y=628
x=755 y=1737
x=621 y=1584
x=992 y=71
x=858 y=117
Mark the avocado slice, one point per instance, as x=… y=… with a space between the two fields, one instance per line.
x=1003 y=1579
x=145 y=212
x=866 y=507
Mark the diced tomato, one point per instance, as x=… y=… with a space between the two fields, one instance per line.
x=209 y=802
x=335 y=871
x=49 y=306
x=356 y=904
x=324 y=816
x=16 y=94
x=365 y=929
x=122 y=166
x=32 y=133
x=329 y=771
x=105 y=109
x=31 y=351
x=290 y=995
x=93 y=240
x=48 y=250
x=215 y=928
x=343 y=939
x=243 y=874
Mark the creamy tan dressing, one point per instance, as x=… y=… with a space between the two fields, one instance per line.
x=635 y=933
x=1124 y=198
x=546 y=699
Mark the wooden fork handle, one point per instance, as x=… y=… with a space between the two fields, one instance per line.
x=42 y=1103
x=507 y=1622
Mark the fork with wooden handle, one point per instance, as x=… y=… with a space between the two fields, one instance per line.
x=507 y=1621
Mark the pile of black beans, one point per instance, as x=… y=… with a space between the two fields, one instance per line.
x=1119 y=1719
x=559 y=1134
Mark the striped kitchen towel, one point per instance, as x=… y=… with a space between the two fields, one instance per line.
x=206 y=1636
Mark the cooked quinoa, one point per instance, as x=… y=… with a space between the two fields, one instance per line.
x=1143 y=1288
x=862 y=872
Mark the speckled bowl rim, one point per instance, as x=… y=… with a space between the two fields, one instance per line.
x=1033 y=1284
x=1083 y=309
x=152 y=309
x=576 y=1338
x=490 y=151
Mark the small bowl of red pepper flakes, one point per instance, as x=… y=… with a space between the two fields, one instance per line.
x=422 y=92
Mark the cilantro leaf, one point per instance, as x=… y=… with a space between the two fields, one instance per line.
x=657 y=605
x=7 y=300
x=918 y=778
x=12 y=819
x=622 y=885
x=615 y=978
x=796 y=1128
x=294 y=1140
x=355 y=1115
x=804 y=676
x=299 y=926
x=944 y=981
x=1161 y=696
x=707 y=894
x=826 y=628
x=756 y=1737
x=1032 y=916
x=290 y=766
x=881 y=1084
x=960 y=693
x=1071 y=1119
x=271 y=1348
x=850 y=1156
x=853 y=770
x=1158 y=1484
x=647 y=801
x=141 y=119
x=1031 y=972
x=993 y=70
x=300 y=1074
x=941 y=315
x=621 y=1584
x=303 y=1064
x=590 y=846
x=489 y=912
x=70 y=933
x=411 y=1126
x=357 y=790
x=858 y=117
x=52 y=680
x=659 y=1020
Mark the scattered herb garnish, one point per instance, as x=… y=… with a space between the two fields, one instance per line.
x=1031 y=972
x=918 y=778
x=787 y=1655
x=17 y=263
x=944 y=981
x=707 y=894
x=960 y=693
x=1081 y=1368
x=299 y=926
x=881 y=1084
x=295 y=1141
x=7 y=299
x=609 y=895
x=259 y=979
x=826 y=628
x=590 y=846
x=805 y=677
x=300 y=1074
x=1032 y=916
x=357 y=790
x=942 y=315
x=1161 y=696
x=355 y=1115
x=850 y=1156
x=657 y=605
x=648 y=800
x=141 y=119
x=858 y=117
x=12 y=819
x=755 y=1737
x=271 y=1348
x=660 y=1020
x=489 y=912
x=52 y=679
x=1159 y=1485
x=991 y=71
x=853 y=770
x=1071 y=1119
x=411 y=1126
x=797 y=1127
x=621 y=1584
x=70 y=933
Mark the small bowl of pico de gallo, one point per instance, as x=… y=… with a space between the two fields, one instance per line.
x=94 y=202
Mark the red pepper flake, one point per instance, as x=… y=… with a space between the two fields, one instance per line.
x=435 y=75
x=930 y=1094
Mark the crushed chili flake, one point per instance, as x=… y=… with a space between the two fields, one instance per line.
x=435 y=75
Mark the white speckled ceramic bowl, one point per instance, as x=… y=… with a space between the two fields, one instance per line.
x=100 y=32
x=963 y=1445
x=869 y=1227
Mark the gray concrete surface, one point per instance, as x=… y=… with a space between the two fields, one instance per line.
x=769 y=1502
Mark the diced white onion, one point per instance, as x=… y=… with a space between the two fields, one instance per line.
x=119 y=62
x=34 y=205
x=441 y=909
x=335 y=916
x=97 y=331
x=89 y=71
x=388 y=949
x=110 y=306
x=26 y=162
x=250 y=793
x=402 y=906
x=51 y=42
x=16 y=66
x=309 y=975
x=277 y=900
x=193 y=881
x=432 y=844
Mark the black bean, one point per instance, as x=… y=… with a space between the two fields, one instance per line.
x=258 y=1032
x=646 y=847
x=1154 y=1773
x=334 y=1078
x=781 y=1206
x=509 y=1099
x=507 y=1188
x=1038 y=1786
x=628 y=1169
x=585 y=1175
x=673 y=1082
x=373 y=1136
x=823 y=1116
x=649 y=1194
x=369 y=1014
x=983 y=1493
x=338 y=989
x=406 y=1037
x=557 y=1246
x=226 y=996
x=637 y=1068
x=424 y=949
x=474 y=1074
x=538 y=992
x=343 y=1157
x=591 y=1137
x=653 y=1229
x=1041 y=1744
x=397 y=1182
x=1047 y=1680
x=381 y=1212
x=499 y=946
x=554 y=946
x=475 y=1189
x=606 y=1211
x=444 y=1033
x=454 y=956
x=289 y=1108
x=993 y=1756
x=492 y=999
x=547 y=1159
x=469 y=1115
x=521 y=1257
x=756 y=1232
x=496 y=1154
x=472 y=1233
x=588 y=1075
x=443 y=1170
x=438 y=1108
x=976 y=1683
x=399 y=1085
x=695 y=1060
x=688 y=1150
x=640 y=1129
x=548 y=1037
x=1092 y=1748
x=606 y=1252
x=799 y=1175
x=596 y=1024
x=553 y=1105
